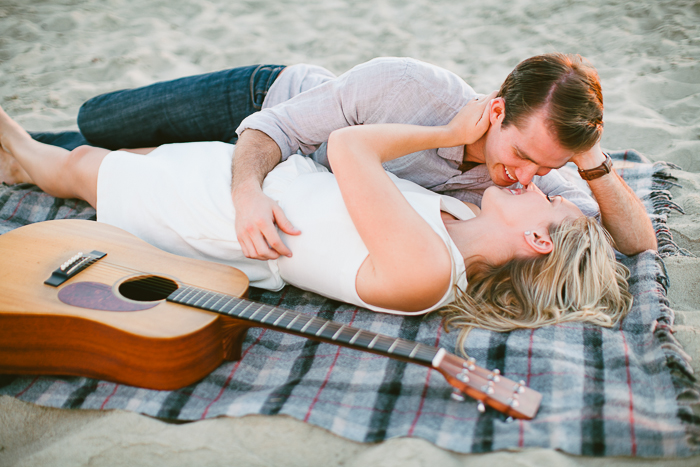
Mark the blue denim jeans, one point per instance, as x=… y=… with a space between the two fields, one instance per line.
x=206 y=107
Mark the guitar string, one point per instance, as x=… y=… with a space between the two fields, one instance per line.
x=161 y=284
x=165 y=285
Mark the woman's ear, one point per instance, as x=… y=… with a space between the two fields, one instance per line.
x=540 y=241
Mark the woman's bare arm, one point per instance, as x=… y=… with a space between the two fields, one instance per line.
x=409 y=266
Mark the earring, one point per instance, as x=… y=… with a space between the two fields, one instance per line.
x=528 y=233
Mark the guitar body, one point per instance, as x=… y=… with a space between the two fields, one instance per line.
x=87 y=326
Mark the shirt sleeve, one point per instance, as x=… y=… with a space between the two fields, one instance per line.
x=562 y=183
x=307 y=120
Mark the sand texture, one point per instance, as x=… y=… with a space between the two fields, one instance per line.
x=55 y=54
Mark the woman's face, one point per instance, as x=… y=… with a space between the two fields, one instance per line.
x=529 y=208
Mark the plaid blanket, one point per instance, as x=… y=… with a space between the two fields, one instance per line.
x=626 y=391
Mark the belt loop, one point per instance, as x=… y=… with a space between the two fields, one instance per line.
x=252 y=89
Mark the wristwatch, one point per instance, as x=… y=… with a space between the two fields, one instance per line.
x=596 y=172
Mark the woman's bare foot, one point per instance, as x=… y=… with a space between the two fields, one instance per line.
x=11 y=171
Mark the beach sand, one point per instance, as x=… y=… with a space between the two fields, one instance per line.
x=56 y=54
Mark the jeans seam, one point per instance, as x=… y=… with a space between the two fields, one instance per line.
x=270 y=80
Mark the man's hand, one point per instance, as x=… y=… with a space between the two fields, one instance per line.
x=256 y=217
x=255 y=156
x=472 y=121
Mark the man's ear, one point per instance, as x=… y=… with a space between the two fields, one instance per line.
x=540 y=241
x=498 y=110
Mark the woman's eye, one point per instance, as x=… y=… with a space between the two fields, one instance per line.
x=548 y=198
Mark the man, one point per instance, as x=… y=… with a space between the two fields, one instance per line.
x=548 y=112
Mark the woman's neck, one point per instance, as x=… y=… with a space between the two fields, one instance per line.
x=481 y=240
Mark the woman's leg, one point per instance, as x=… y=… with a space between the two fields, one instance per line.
x=57 y=171
x=206 y=107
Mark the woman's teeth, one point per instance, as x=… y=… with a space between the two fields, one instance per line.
x=510 y=176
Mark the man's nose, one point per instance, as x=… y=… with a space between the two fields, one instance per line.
x=542 y=171
x=525 y=174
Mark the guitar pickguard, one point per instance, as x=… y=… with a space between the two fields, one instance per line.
x=96 y=296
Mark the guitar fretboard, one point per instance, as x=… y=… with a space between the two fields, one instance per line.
x=304 y=325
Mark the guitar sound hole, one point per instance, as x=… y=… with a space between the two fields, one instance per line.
x=147 y=288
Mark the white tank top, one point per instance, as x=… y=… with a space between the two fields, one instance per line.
x=178 y=199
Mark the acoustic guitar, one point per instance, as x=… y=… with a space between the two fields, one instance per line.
x=83 y=298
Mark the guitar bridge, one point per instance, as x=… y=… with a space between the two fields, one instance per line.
x=73 y=266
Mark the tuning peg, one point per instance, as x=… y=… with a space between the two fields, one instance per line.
x=495 y=375
x=470 y=364
x=519 y=387
x=510 y=420
x=481 y=407
x=457 y=395
x=462 y=376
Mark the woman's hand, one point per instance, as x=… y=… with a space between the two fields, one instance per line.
x=472 y=121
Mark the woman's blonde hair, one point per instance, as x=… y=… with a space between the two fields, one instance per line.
x=580 y=280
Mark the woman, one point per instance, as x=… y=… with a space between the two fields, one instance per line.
x=367 y=237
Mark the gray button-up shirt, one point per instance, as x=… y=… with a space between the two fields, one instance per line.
x=307 y=103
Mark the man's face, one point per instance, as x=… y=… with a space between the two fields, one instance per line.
x=515 y=154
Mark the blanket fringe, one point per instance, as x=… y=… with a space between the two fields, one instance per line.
x=677 y=360
x=661 y=200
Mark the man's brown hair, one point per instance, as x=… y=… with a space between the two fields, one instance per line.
x=567 y=87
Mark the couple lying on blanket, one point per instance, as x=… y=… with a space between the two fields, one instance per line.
x=527 y=257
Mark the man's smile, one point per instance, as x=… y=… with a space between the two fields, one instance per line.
x=509 y=176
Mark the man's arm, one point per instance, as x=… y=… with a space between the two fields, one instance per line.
x=621 y=211
x=255 y=156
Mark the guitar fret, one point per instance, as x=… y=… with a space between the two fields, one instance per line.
x=335 y=336
x=344 y=334
x=201 y=294
x=265 y=317
x=237 y=304
x=413 y=352
x=185 y=298
x=383 y=343
x=403 y=347
x=330 y=330
x=287 y=318
x=279 y=319
x=255 y=312
x=192 y=299
x=221 y=308
x=289 y=326
x=391 y=349
x=308 y=323
x=318 y=333
x=364 y=338
x=221 y=297
x=212 y=296
x=354 y=338
x=315 y=325
x=299 y=325
x=426 y=354
x=371 y=344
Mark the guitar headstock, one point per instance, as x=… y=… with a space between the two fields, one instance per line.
x=488 y=387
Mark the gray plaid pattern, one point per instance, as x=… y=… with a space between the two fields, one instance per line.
x=626 y=391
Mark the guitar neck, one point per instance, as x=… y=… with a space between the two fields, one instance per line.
x=311 y=327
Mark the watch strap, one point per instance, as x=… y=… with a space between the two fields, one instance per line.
x=596 y=172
